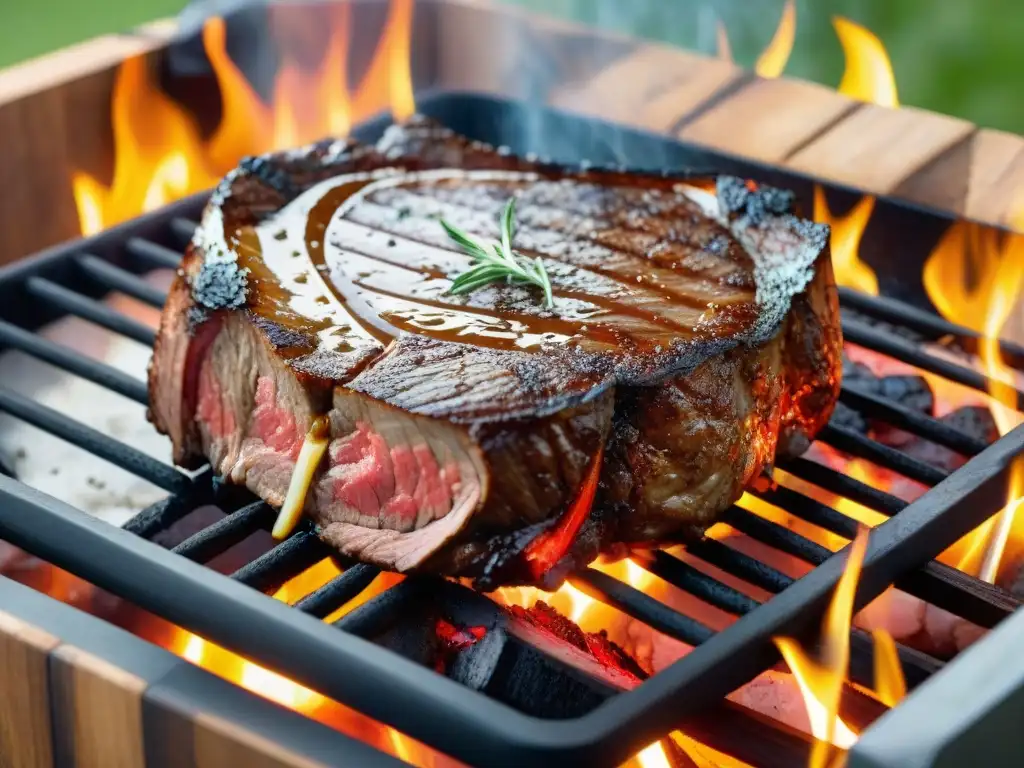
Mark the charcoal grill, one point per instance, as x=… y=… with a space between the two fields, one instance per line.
x=494 y=724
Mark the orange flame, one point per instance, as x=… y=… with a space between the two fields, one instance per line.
x=161 y=156
x=868 y=75
x=653 y=757
x=821 y=681
x=845 y=243
x=890 y=685
x=975 y=280
x=158 y=154
x=279 y=689
x=772 y=61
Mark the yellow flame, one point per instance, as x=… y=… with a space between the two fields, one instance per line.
x=868 y=75
x=975 y=279
x=772 y=61
x=171 y=141
x=890 y=685
x=161 y=156
x=845 y=243
x=821 y=682
x=653 y=757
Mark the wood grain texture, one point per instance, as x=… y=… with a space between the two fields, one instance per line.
x=97 y=711
x=996 y=185
x=768 y=120
x=26 y=734
x=58 y=107
x=218 y=742
x=653 y=88
x=875 y=149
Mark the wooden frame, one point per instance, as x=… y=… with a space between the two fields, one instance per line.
x=81 y=693
x=58 y=106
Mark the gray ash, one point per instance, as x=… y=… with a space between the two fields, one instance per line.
x=196 y=316
x=739 y=197
x=220 y=284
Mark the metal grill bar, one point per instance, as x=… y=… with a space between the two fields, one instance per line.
x=750 y=569
x=90 y=310
x=926 y=323
x=73 y=362
x=225 y=533
x=776 y=536
x=856 y=444
x=911 y=421
x=812 y=511
x=183 y=229
x=338 y=591
x=845 y=486
x=153 y=255
x=651 y=612
x=856 y=332
x=272 y=569
x=115 y=278
x=684 y=576
x=917 y=667
x=102 y=445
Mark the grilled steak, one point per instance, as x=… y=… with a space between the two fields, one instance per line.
x=694 y=335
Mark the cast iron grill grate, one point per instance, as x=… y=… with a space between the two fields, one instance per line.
x=605 y=725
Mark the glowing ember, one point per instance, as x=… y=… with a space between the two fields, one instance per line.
x=160 y=155
x=868 y=75
x=548 y=548
x=772 y=61
x=821 y=681
x=846 y=234
x=653 y=757
x=975 y=280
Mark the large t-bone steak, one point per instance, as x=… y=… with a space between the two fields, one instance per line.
x=694 y=336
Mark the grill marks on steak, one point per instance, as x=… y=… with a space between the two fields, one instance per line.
x=687 y=339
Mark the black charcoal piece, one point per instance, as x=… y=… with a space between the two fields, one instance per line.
x=909 y=391
x=973 y=420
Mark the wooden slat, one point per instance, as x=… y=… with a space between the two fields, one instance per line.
x=26 y=735
x=218 y=742
x=768 y=120
x=97 y=710
x=194 y=720
x=875 y=149
x=652 y=88
x=55 y=117
x=996 y=186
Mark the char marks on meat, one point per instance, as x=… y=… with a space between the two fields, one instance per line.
x=694 y=336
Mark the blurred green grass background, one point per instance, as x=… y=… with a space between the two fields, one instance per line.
x=963 y=58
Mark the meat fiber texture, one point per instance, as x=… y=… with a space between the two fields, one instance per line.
x=694 y=336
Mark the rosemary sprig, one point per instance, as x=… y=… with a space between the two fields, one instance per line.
x=497 y=261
